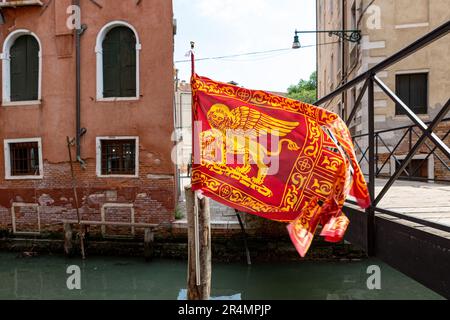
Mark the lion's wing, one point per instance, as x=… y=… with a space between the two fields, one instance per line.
x=246 y=118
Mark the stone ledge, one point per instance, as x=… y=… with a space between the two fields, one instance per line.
x=215 y=225
x=223 y=250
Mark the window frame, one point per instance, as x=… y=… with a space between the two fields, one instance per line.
x=431 y=173
x=6 y=69
x=410 y=73
x=7 y=153
x=99 y=55
x=99 y=157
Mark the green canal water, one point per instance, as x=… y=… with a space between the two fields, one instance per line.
x=45 y=277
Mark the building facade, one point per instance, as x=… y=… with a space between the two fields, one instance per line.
x=420 y=80
x=183 y=123
x=124 y=172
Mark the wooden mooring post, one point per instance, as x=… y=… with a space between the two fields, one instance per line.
x=149 y=239
x=82 y=232
x=149 y=234
x=68 y=247
x=199 y=246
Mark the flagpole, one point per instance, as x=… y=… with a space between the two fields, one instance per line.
x=199 y=229
x=192 y=106
x=192 y=58
x=196 y=225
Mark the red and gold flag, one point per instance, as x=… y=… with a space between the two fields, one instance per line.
x=274 y=157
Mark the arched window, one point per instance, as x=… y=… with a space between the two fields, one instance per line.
x=24 y=69
x=21 y=68
x=117 y=62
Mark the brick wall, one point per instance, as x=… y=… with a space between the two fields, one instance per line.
x=53 y=118
x=151 y=200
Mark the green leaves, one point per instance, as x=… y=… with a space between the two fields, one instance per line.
x=305 y=90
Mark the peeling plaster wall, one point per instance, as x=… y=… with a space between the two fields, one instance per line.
x=150 y=118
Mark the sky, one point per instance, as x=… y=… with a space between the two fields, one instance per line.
x=228 y=27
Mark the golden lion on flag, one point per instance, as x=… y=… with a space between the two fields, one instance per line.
x=275 y=157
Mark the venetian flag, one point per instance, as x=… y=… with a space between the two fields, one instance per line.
x=274 y=157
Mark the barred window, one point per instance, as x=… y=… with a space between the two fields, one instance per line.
x=23 y=159
x=118 y=157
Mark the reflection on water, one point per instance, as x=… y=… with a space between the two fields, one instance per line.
x=183 y=296
x=127 y=278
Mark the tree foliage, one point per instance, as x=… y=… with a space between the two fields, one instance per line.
x=305 y=90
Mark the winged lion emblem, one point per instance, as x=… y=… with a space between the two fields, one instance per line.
x=249 y=125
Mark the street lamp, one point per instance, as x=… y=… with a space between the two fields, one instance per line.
x=296 y=44
x=348 y=35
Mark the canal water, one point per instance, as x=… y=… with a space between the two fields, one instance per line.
x=45 y=277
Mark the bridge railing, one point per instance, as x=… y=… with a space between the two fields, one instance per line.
x=426 y=130
x=388 y=157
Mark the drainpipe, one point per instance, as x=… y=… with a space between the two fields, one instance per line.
x=80 y=131
x=343 y=67
x=317 y=51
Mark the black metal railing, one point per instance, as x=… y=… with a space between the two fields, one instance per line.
x=426 y=131
x=384 y=159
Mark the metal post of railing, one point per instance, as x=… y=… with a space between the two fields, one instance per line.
x=371 y=209
x=377 y=137
x=410 y=139
x=410 y=147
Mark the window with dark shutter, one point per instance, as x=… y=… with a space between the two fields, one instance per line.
x=118 y=157
x=119 y=63
x=24 y=69
x=412 y=89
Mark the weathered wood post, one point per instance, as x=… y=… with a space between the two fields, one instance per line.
x=199 y=246
x=149 y=238
x=68 y=234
